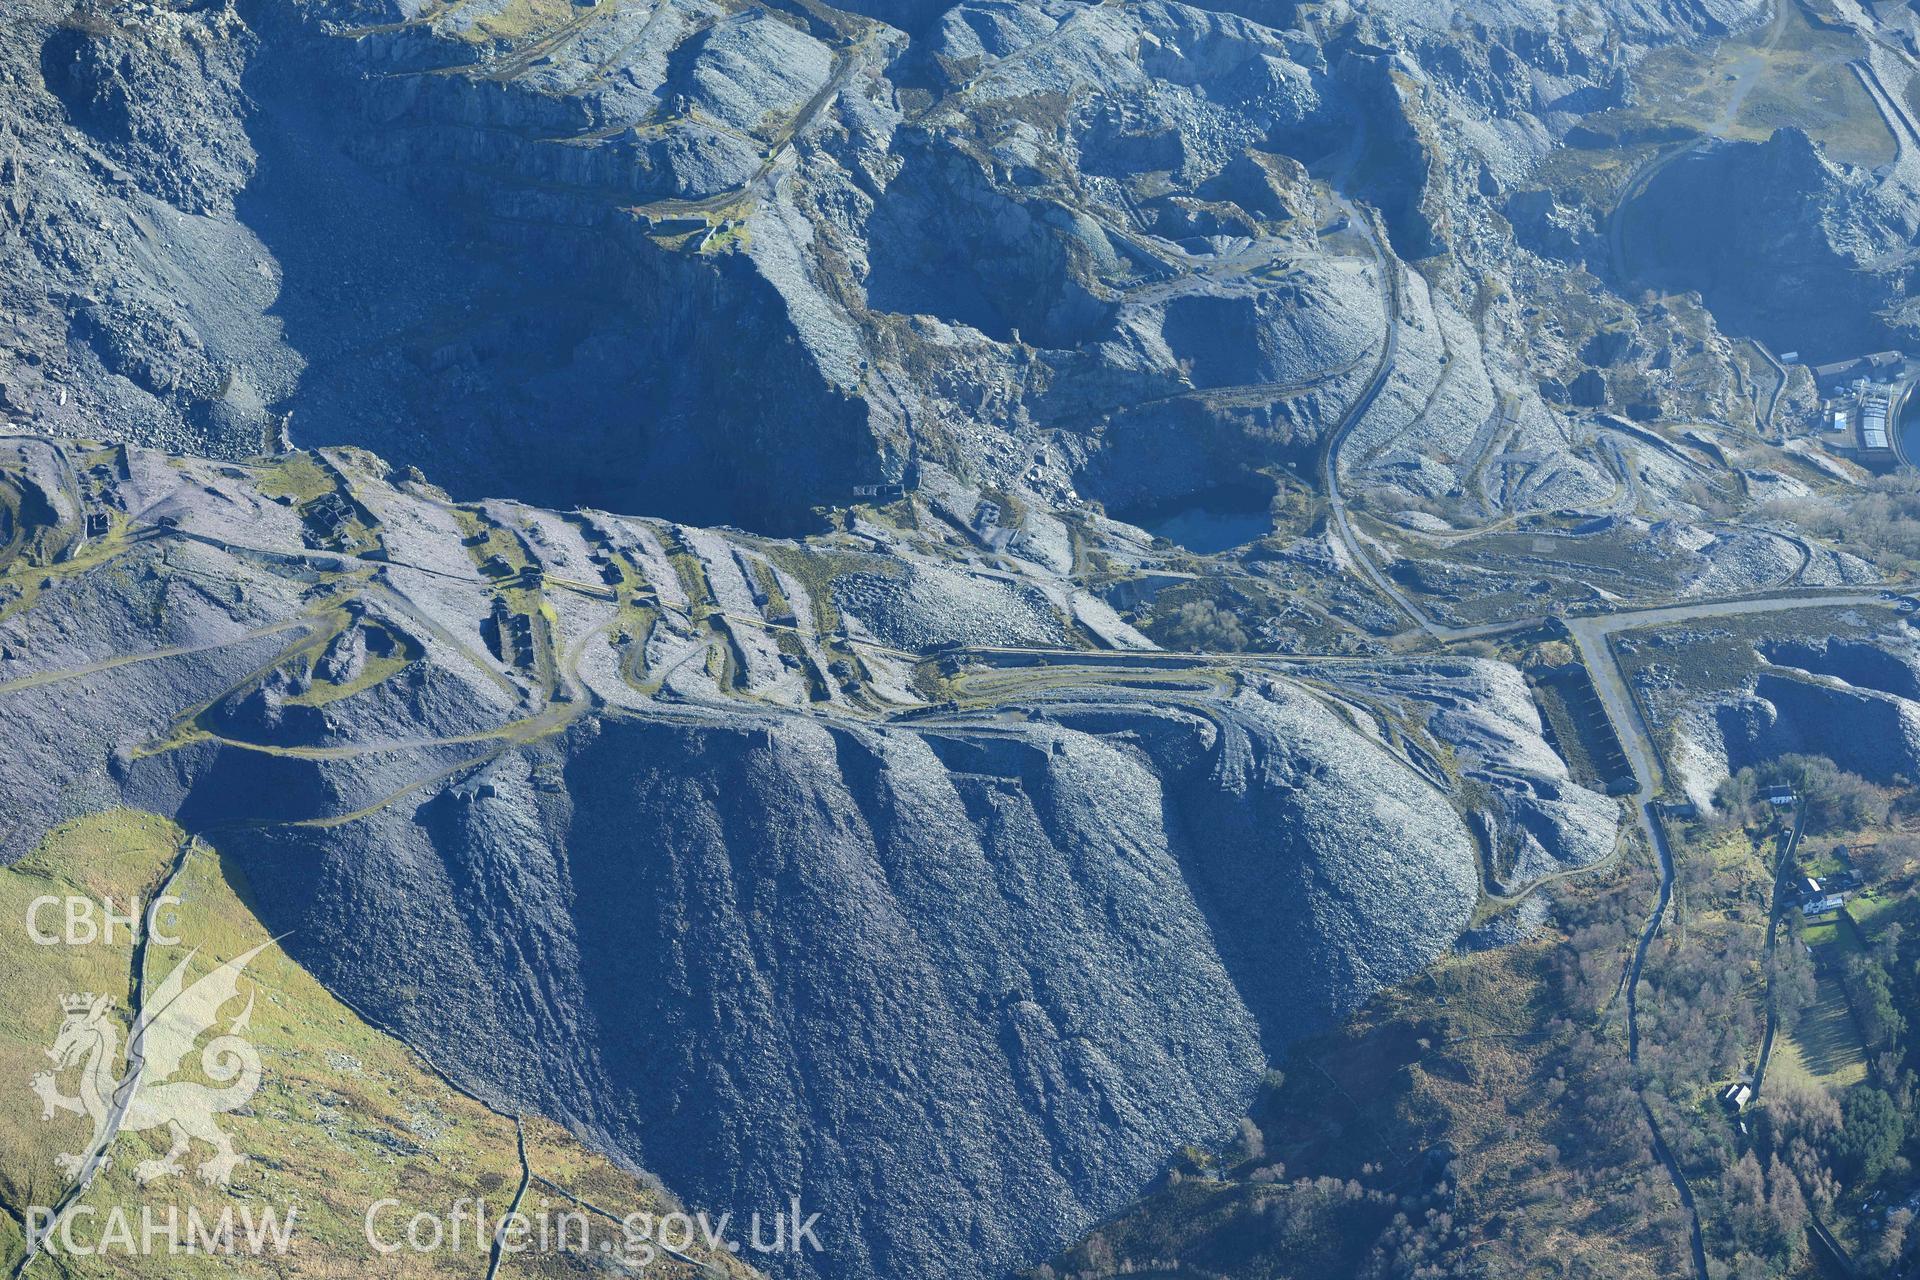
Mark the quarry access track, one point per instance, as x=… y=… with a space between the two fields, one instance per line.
x=1781 y=904
x=1594 y=637
x=308 y=625
x=1337 y=517
x=846 y=60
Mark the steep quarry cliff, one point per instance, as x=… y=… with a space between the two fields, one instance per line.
x=1833 y=284
x=1840 y=684
x=732 y=261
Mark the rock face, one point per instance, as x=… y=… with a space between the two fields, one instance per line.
x=1873 y=734
x=1706 y=219
x=1888 y=664
x=1843 y=687
x=729 y=261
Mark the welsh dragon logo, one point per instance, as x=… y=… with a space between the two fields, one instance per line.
x=146 y=1096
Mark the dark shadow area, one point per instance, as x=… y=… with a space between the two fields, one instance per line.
x=1210 y=521
x=944 y=242
x=1860 y=663
x=1742 y=225
x=511 y=348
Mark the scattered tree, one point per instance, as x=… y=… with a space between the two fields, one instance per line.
x=1203 y=625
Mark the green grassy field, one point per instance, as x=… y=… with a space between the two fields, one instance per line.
x=1874 y=911
x=345 y=1116
x=1825 y=1046
x=1788 y=74
x=298 y=477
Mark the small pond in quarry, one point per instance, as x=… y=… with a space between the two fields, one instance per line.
x=1211 y=521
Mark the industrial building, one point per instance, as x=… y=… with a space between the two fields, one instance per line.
x=1863 y=404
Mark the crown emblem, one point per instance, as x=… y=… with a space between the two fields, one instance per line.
x=77 y=1003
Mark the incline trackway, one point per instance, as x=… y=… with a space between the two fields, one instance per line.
x=1782 y=876
x=1330 y=453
